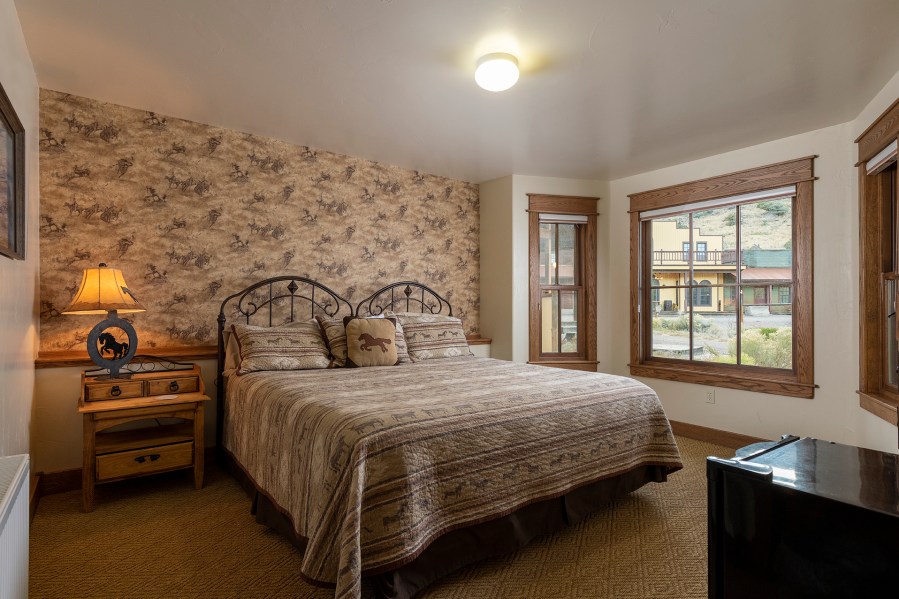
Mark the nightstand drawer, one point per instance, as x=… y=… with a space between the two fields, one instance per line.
x=144 y=461
x=175 y=384
x=113 y=390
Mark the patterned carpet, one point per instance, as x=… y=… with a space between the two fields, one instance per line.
x=157 y=537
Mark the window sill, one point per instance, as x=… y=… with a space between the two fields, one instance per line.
x=882 y=406
x=573 y=364
x=763 y=381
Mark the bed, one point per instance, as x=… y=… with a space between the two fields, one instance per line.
x=402 y=474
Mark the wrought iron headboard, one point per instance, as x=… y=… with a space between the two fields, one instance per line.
x=265 y=296
x=405 y=296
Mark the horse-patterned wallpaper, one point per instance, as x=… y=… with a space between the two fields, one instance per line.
x=192 y=213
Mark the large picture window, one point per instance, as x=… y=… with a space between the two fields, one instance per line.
x=563 y=281
x=736 y=311
x=879 y=266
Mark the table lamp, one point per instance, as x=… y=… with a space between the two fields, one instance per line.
x=103 y=291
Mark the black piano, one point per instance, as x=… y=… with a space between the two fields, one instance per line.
x=802 y=517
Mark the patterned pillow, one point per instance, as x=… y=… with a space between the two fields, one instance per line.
x=297 y=347
x=335 y=334
x=431 y=336
x=370 y=342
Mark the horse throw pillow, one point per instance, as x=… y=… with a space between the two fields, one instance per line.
x=371 y=342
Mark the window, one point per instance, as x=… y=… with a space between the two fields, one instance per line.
x=783 y=295
x=701 y=249
x=562 y=313
x=742 y=319
x=702 y=294
x=879 y=266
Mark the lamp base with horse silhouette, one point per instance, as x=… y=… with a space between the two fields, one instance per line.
x=106 y=351
x=103 y=291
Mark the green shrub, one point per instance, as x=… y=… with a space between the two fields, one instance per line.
x=772 y=348
x=701 y=324
x=729 y=358
x=679 y=323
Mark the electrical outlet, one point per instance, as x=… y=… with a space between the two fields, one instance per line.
x=710 y=396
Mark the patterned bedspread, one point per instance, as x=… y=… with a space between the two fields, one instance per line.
x=372 y=464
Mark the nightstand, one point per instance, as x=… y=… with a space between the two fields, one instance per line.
x=151 y=448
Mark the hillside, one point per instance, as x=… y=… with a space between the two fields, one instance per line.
x=766 y=224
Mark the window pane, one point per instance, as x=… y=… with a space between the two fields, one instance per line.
x=549 y=321
x=715 y=243
x=547 y=254
x=670 y=259
x=766 y=239
x=671 y=336
x=568 y=306
x=767 y=333
x=890 y=358
x=715 y=335
x=567 y=258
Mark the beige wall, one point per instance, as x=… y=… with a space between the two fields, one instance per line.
x=18 y=279
x=504 y=257
x=834 y=414
x=496 y=265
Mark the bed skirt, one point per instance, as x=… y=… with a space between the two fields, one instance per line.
x=462 y=547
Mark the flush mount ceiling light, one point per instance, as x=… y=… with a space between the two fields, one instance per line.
x=497 y=71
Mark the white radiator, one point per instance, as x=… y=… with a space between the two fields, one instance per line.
x=14 y=527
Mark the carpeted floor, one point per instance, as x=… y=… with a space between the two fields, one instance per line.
x=157 y=537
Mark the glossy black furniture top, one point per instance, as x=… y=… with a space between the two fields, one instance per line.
x=803 y=517
x=862 y=477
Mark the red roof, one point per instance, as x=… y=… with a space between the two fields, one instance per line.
x=767 y=274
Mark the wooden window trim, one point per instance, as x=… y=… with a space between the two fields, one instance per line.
x=874 y=396
x=796 y=383
x=556 y=204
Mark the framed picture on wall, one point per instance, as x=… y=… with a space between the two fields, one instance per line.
x=12 y=181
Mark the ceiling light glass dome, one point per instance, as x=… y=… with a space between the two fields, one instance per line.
x=497 y=72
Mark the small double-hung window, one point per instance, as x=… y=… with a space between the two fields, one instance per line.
x=562 y=264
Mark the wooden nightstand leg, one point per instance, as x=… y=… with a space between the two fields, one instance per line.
x=89 y=466
x=198 y=447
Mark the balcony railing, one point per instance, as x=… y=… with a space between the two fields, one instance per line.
x=662 y=257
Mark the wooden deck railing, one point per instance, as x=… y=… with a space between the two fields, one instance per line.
x=664 y=257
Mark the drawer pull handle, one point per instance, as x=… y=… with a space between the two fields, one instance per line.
x=173 y=386
x=143 y=458
x=115 y=391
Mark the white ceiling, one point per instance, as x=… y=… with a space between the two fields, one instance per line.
x=608 y=87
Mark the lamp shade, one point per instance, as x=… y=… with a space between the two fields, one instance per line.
x=102 y=290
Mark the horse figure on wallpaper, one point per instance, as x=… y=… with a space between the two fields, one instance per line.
x=109 y=344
